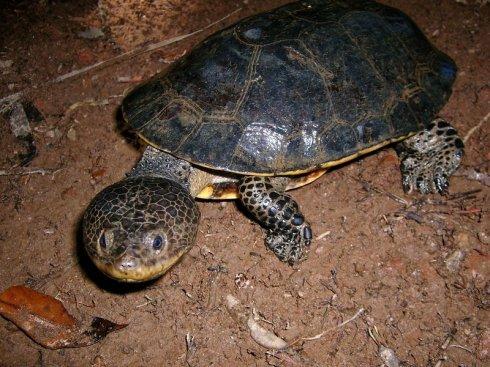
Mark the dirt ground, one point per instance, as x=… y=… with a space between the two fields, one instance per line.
x=415 y=268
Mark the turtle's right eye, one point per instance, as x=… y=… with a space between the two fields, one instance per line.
x=103 y=241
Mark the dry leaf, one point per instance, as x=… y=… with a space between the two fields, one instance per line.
x=46 y=321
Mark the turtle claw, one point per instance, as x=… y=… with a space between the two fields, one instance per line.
x=441 y=182
x=290 y=246
x=430 y=158
x=423 y=177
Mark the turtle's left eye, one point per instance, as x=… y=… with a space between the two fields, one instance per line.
x=158 y=242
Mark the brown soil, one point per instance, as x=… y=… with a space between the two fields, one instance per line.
x=401 y=265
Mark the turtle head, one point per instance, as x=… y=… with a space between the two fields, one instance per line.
x=137 y=228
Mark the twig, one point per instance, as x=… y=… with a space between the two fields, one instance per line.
x=86 y=102
x=440 y=361
x=190 y=347
x=149 y=300
x=292 y=358
x=32 y=171
x=356 y=315
x=447 y=341
x=323 y=235
x=476 y=127
x=318 y=336
x=136 y=52
x=367 y=186
x=444 y=347
x=461 y=347
x=472 y=174
x=463 y=194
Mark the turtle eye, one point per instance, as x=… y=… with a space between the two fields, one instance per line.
x=103 y=241
x=106 y=239
x=158 y=242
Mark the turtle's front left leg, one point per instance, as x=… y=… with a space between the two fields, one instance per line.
x=288 y=234
x=429 y=158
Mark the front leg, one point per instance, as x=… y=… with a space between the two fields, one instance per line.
x=429 y=158
x=288 y=234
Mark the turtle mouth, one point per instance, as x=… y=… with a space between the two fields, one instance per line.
x=129 y=270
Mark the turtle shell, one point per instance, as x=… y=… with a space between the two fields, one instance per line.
x=305 y=86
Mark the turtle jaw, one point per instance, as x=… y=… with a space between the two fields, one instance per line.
x=126 y=268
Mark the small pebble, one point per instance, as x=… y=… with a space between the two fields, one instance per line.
x=123 y=79
x=462 y=240
x=453 y=262
x=432 y=246
x=241 y=281
x=484 y=238
x=72 y=134
x=388 y=356
x=6 y=64
x=91 y=33
x=98 y=361
x=484 y=345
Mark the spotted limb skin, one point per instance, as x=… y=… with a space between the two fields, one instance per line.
x=429 y=158
x=136 y=229
x=288 y=234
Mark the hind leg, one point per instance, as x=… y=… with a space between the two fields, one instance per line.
x=288 y=234
x=429 y=158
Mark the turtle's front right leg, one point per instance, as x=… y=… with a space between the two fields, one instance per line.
x=288 y=234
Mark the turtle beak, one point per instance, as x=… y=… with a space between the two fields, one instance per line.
x=129 y=268
x=126 y=263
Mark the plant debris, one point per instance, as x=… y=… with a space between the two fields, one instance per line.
x=386 y=354
x=17 y=112
x=91 y=33
x=46 y=321
x=264 y=337
x=259 y=334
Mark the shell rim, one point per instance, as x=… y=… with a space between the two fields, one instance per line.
x=324 y=165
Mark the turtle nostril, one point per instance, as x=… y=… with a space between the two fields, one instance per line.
x=127 y=263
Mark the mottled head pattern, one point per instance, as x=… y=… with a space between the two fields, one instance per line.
x=136 y=229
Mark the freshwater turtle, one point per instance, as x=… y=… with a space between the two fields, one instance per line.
x=264 y=106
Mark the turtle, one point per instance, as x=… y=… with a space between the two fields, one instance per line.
x=265 y=106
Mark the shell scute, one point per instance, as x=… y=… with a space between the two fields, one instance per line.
x=294 y=89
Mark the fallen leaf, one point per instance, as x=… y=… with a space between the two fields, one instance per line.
x=46 y=321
